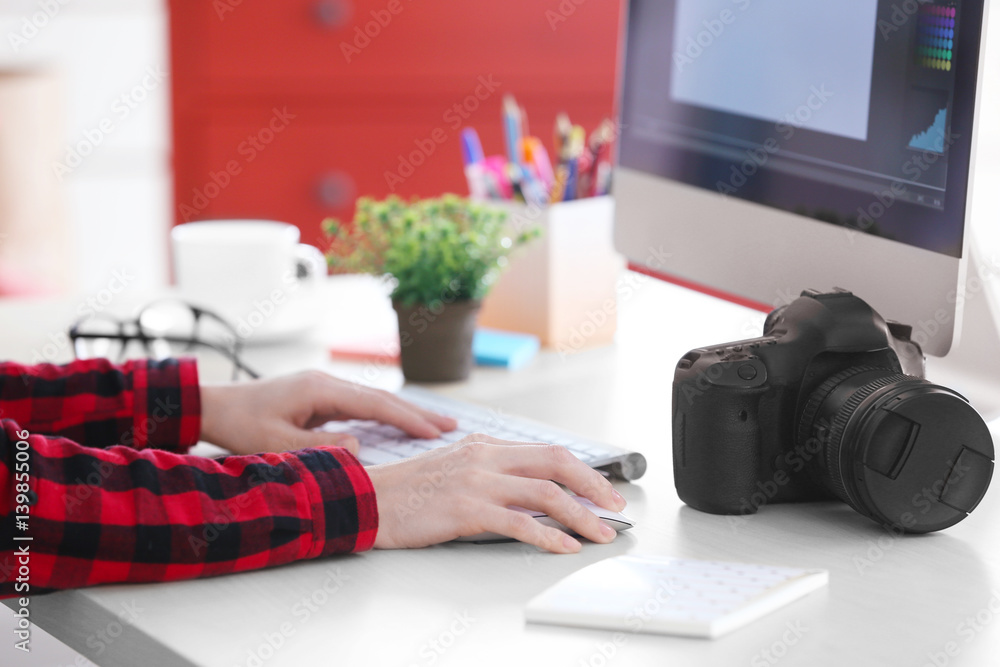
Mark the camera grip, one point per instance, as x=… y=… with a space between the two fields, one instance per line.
x=717 y=449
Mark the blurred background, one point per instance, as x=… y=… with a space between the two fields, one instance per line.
x=121 y=118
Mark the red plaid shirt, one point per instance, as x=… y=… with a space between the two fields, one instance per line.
x=128 y=505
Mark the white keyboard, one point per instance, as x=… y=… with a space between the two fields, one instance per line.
x=381 y=443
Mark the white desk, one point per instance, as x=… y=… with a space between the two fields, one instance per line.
x=462 y=604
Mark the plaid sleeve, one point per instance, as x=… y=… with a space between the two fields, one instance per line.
x=124 y=515
x=141 y=404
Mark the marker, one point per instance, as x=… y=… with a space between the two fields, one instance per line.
x=538 y=158
x=496 y=171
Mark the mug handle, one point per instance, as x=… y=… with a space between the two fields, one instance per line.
x=310 y=264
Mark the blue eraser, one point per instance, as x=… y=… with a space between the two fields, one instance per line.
x=503 y=348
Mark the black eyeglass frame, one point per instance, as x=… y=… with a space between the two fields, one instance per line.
x=144 y=337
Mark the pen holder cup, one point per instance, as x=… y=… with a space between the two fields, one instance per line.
x=562 y=287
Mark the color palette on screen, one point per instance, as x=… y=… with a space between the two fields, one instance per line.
x=936 y=37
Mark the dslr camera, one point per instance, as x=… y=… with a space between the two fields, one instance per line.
x=830 y=403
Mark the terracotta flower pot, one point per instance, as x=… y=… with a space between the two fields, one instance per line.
x=436 y=340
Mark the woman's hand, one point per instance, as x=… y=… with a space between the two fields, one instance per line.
x=279 y=415
x=465 y=489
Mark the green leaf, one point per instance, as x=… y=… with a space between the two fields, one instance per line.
x=433 y=249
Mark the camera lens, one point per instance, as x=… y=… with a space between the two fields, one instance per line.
x=912 y=455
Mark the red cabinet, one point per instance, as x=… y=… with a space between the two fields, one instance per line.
x=289 y=110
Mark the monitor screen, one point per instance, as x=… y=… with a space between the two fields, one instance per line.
x=855 y=113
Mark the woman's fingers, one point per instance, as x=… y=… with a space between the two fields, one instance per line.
x=546 y=496
x=524 y=528
x=345 y=401
x=561 y=465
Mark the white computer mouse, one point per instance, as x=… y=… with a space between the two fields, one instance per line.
x=616 y=520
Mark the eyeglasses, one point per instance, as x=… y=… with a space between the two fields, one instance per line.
x=165 y=328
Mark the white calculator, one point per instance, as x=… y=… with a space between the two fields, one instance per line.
x=674 y=596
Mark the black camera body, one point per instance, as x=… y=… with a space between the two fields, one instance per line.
x=830 y=403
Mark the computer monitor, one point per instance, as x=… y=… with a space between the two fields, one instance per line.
x=769 y=147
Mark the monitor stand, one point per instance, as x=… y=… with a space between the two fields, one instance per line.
x=972 y=368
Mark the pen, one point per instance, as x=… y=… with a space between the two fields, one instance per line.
x=575 y=154
x=534 y=190
x=559 y=187
x=564 y=128
x=600 y=147
x=512 y=119
x=472 y=155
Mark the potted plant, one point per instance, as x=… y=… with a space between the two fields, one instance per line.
x=443 y=256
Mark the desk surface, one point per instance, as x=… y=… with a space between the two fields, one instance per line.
x=891 y=601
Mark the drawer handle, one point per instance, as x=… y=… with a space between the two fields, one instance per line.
x=332 y=14
x=335 y=189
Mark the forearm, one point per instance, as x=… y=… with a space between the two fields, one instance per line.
x=121 y=515
x=140 y=404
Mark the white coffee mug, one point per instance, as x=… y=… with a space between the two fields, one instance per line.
x=254 y=273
